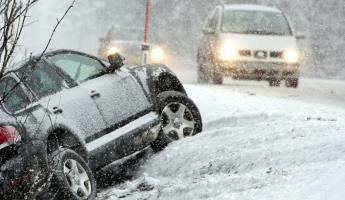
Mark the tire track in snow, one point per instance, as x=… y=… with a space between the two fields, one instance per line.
x=235 y=121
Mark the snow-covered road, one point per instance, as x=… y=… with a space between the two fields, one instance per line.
x=258 y=143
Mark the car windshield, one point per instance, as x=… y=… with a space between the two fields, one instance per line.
x=255 y=22
x=80 y=68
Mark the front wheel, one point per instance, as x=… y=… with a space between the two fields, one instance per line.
x=292 y=82
x=201 y=75
x=72 y=177
x=180 y=118
x=217 y=78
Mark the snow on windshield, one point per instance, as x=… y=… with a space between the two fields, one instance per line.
x=255 y=22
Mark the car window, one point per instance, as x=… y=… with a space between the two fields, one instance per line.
x=42 y=79
x=79 y=68
x=213 y=20
x=12 y=96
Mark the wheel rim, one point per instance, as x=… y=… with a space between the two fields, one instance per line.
x=177 y=121
x=77 y=178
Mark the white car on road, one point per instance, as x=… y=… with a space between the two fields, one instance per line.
x=249 y=42
x=127 y=41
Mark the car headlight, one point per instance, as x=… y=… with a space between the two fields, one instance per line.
x=291 y=56
x=157 y=55
x=112 y=50
x=228 y=52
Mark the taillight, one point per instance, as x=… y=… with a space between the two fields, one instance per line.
x=8 y=135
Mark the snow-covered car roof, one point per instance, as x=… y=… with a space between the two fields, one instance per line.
x=251 y=7
x=17 y=65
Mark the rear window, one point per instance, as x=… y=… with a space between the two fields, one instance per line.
x=12 y=96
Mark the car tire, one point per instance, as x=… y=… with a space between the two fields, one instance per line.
x=202 y=76
x=78 y=184
x=292 y=82
x=217 y=78
x=274 y=82
x=174 y=102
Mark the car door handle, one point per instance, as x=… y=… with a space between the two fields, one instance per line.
x=94 y=94
x=57 y=110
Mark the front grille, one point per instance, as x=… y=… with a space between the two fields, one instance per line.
x=245 y=53
x=260 y=54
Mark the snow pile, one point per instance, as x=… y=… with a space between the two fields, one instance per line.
x=253 y=147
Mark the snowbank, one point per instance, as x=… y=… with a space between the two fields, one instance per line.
x=253 y=147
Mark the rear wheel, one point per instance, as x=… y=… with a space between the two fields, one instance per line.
x=71 y=176
x=273 y=82
x=292 y=82
x=180 y=118
x=208 y=72
x=217 y=78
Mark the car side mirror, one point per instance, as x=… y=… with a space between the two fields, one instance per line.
x=116 y=62
x=64 y=84
x=300 y=36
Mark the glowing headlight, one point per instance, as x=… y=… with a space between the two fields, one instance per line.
x=228 y=52
x=157 y=55
x=112 y=50
x=291 y=56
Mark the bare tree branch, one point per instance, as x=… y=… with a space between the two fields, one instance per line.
x=54 y=30
x=11 y=35
x=13 y=14
x=13 y=17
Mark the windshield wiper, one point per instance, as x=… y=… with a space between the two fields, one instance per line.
x=261 y=32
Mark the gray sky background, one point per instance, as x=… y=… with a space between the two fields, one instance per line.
x=44 y=15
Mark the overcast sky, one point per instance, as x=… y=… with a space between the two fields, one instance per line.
x=44 y=15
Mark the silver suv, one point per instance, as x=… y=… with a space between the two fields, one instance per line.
x=68 y=114
x=249 y=42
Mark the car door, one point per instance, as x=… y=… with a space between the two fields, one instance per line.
x=209 y=40
x=70 y=106
x=121 y=99
x=118 y=96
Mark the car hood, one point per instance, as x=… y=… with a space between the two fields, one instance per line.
x=259 y=42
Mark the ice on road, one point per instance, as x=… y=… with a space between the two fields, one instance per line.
x=258 y=143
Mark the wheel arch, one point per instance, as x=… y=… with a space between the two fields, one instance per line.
x=157 y=78
x=62 y=136
x=167 y=82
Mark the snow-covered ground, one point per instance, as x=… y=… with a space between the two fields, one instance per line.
x=258 y=143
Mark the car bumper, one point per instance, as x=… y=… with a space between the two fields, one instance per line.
x=19 y=173
x=259 y=70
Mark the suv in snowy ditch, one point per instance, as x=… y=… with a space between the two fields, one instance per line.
x=249 y=42
x=66 y=115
